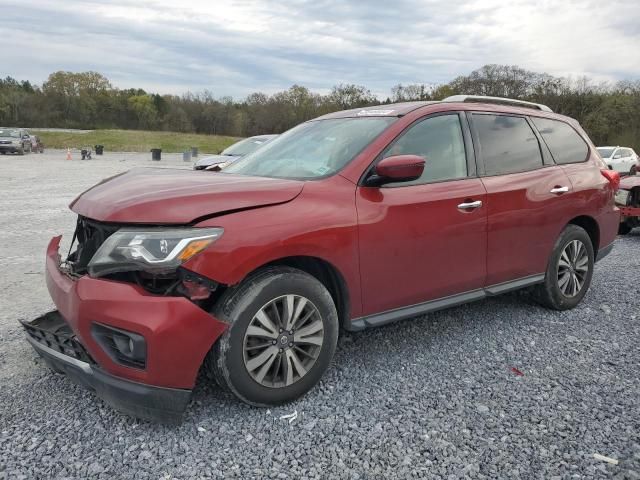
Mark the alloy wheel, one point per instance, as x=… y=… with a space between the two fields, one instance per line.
x=573 y=267
x=283 y=341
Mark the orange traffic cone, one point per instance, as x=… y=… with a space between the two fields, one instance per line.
x=68 y=154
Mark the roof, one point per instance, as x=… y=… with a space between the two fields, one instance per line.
x=390 y=110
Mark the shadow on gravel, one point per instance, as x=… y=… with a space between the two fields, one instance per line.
x=370 y=349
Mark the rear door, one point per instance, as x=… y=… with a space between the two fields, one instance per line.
x=425 y=239
x=528 y=196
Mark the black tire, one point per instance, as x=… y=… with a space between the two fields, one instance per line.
x=549 y=293
x=238 y=306
x=624 y=229
x=633 y=170
x=20 y=151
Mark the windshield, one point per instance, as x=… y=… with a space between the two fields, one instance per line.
x=605 y=152
x=244 y=147
x=5 y=132
x=313 y=149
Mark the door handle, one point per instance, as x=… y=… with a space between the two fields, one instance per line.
x=470 y=205
x=559 y=190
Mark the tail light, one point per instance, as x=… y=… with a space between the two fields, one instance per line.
x=613 y=177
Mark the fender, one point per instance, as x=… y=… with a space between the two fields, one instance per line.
x=321 y=222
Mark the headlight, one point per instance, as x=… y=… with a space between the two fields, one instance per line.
x=16 y=142
x=150 y=250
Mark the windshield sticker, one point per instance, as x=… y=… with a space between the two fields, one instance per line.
x=375 y=112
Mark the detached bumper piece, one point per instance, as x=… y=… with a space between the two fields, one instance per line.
x=55 y=342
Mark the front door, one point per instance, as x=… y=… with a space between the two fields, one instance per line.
x=425 y=239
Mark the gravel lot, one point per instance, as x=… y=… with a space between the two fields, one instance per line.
x=434 y=397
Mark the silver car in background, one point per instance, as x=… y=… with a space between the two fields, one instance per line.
x=233 y=153
x=14 y=140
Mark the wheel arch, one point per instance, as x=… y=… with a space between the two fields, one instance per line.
x=327 y=274
x=590 y=225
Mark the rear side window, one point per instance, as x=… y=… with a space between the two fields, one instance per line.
x=507 y=144
x=564 y=142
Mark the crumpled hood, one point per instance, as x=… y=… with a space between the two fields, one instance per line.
x=172 y=196
x=627 y=183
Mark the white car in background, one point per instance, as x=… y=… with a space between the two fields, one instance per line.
x=621 y=159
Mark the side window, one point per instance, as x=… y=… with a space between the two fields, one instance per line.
x=440 y=142
x=507 y=144
x=625 y=152
x=564 y=142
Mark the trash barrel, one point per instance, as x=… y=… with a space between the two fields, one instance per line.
x=155 y=153
x=99 y=149
x=194 y=151
x=186 y=156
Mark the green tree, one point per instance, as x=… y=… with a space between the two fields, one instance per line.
x=144 y=110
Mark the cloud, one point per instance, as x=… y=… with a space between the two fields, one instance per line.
x=234 y=48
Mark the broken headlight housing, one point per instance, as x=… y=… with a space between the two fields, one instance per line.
x=150 y=250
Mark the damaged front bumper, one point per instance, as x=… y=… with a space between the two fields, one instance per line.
x=177 y=333
x=53 y=341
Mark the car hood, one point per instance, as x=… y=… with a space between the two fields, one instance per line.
x=213 y=159
x=627 y=183
x=171 y=196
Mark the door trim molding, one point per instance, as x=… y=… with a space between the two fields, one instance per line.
x=389 y=316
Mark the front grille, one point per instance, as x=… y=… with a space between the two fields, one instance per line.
x=52 y=331
x=90 y=236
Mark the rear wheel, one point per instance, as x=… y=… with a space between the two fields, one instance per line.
x=633 y=170
x=281 y=339
x=569 y=270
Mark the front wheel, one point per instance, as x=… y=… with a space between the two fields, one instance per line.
x=281 y=338
x=569 y=270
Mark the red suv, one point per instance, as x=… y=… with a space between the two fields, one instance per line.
x=354 y=220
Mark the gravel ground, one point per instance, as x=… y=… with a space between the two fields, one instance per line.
x=434 y=397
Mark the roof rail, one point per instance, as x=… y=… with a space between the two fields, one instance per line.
x=498 y=100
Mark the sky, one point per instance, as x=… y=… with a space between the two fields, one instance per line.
x=233 y=48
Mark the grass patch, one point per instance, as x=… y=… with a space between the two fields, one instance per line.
x=136 y=140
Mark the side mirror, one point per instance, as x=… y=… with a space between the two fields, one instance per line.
x=398 y=168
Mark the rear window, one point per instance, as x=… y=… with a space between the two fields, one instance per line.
x=507 y=144
x=564 y=142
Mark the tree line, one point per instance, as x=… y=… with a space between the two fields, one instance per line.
x=610 y=112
